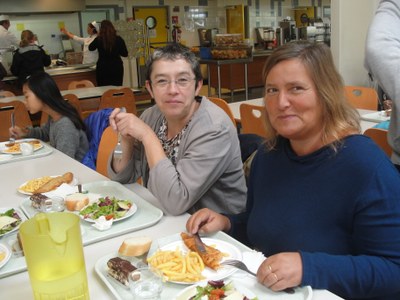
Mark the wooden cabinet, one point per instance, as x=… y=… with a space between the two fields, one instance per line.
x=63 y=80
x=232 y=74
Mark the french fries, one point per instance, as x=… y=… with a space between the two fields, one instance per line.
x=33 y=184
x=177 y=266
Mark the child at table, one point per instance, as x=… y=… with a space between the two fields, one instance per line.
x=65 y=130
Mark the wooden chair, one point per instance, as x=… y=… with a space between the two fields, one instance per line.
x=108 y=141
x=252 y=118
x=73 y=100
x=224 y=105
x=79 y=84
x=362 y=97
x=114 y=98
x=379 y=136
x=21 y=115
x=5 y=94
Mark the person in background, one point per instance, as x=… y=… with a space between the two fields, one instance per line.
x=7 y=39
x=323 y=200
x=382 y=59
x=109 y=67
x=29 y=58
x=185 y=148
x=89 y=57
x=65 y=130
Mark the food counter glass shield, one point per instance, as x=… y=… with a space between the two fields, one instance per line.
x=53 y=250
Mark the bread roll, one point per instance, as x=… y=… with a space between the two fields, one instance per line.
x=76 y=201
x=55 y=183
x=135 y=246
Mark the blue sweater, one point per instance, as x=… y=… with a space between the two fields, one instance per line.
x=340 y=211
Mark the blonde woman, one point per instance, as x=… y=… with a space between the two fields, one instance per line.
x=30 y=58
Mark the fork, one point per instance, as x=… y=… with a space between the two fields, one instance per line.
x=240 y=265
x=118 y=148
x=12 y=137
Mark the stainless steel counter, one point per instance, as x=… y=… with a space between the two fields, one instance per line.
x=61 y=70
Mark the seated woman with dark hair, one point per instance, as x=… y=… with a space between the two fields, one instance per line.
x=65 y=130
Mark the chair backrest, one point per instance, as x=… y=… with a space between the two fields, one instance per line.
x=5 y=94
x=79 y=84
x=114 y=98
x=379 y=136
x=252 y=118
x=224 y=105
x=21 y=115
x=71 y=98
x=108 y=141
x=362 y=97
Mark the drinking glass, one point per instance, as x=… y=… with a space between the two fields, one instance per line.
x=145 y=284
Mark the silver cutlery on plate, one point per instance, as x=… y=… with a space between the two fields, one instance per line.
x=240 y=265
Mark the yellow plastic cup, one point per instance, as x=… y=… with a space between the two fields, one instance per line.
x=53 y=250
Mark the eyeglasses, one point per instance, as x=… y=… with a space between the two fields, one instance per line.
x=181 y=82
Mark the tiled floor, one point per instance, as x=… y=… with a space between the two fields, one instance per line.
x=238 y=95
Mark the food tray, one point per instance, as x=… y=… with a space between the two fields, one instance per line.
x=379 y=116
x=46 y=150
x=171 y=290
x=146 y=216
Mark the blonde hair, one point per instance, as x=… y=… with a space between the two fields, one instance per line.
x=340 y=118
x=27 y=37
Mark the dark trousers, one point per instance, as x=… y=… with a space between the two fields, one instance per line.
x=397 y=167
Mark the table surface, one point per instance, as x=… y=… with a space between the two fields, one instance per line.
x=17 y=286
x=235 y=107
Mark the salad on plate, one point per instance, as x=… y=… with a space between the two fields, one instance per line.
x=109 y=208
x=216 y=290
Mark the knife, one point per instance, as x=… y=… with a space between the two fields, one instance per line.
x=200 y=246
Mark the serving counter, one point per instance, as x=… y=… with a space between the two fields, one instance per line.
x=235 y=74
x=62 y=75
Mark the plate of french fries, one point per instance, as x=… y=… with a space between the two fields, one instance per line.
x=34 y=185
x=16 y=147
x=180 y=265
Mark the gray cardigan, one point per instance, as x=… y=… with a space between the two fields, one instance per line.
x=63 y=136
x=208 y=171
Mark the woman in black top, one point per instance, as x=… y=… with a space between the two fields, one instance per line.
x=109 y=67
x=29 y=58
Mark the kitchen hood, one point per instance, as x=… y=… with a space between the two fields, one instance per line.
x=40 y=6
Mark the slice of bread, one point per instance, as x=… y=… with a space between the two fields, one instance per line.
x=76 y=201
x=135 y=246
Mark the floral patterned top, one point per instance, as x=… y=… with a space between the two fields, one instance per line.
x=171 y=146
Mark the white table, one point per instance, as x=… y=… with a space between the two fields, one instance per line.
x=235 y=107
x=13 y=174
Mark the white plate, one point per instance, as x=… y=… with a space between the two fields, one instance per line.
x=4 y=149
x=128 y=214
x=20 y=214
x=379 y=116
x=191 y=291
x=73 y=183
x=251 y=288
x=231 y=252
x=4 y=248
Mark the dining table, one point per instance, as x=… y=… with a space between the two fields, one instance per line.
x=16 y=285
x=368 y=118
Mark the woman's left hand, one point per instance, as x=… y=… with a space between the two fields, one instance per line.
x=281 y=271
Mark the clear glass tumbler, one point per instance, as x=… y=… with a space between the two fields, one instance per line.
x=145 y=284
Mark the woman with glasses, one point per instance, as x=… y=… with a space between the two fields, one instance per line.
x=185 y=148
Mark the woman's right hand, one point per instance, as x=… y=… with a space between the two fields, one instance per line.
x=18 y=132
x=207 y=221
